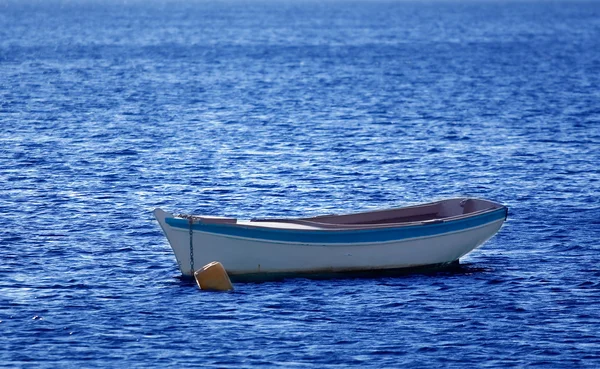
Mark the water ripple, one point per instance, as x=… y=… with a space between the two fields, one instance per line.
x=110 y=109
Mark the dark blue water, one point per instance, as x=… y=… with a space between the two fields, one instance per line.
x=286 y=108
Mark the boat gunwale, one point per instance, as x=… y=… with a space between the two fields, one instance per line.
x=354 y=243
x=335 y=227
x=341 y=236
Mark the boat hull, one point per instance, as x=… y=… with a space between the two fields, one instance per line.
x=286 y=252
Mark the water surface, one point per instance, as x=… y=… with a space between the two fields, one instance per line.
x=289 y=108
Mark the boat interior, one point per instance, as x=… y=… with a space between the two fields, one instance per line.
x=425 y=213
x=431 y=213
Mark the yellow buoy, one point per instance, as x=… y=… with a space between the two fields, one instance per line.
x=213 y=277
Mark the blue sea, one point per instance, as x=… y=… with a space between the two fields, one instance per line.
x=109 y=109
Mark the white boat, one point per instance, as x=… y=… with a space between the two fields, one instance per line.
x=432 y=234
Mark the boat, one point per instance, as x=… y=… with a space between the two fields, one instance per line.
x=432 y=234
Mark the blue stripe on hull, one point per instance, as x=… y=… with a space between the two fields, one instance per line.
x=331 y=236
